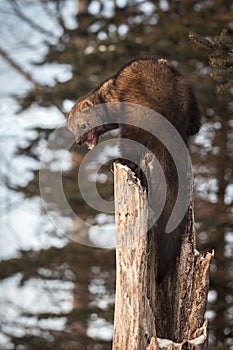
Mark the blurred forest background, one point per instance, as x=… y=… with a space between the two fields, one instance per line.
x=55 y=293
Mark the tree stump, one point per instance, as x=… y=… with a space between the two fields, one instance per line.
x=148 y=314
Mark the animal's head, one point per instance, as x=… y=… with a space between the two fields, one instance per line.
x=80 y=122
x=88 y=121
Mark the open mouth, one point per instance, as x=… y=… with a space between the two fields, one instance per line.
x=90 y=138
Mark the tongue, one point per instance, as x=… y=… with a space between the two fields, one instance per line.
x=90 y=140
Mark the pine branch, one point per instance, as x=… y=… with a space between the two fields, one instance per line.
x=200 y=40
x=221 y=89
x=221 y=59
x=220 y=62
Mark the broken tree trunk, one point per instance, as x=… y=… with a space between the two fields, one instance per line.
x=148 y=315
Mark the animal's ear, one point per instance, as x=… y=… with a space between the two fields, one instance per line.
x=79 y=107
x=86 y=104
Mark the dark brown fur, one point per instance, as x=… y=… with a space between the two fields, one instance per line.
x=157 y=85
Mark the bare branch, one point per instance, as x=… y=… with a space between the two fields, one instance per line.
x=58 y=17
x=29 y=21
x=19 y=69
x=27 y=76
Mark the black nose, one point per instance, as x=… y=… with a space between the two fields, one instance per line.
x=83 y=126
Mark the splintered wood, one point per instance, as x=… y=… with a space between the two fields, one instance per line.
x=141 y=320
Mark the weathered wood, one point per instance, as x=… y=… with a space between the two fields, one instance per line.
x=146 y=311
x=133 y=315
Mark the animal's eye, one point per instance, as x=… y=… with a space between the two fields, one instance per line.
x=83 y=126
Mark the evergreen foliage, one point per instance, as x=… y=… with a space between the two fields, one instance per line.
x=221 y=58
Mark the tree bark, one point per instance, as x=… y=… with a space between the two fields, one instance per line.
x=151 y=315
